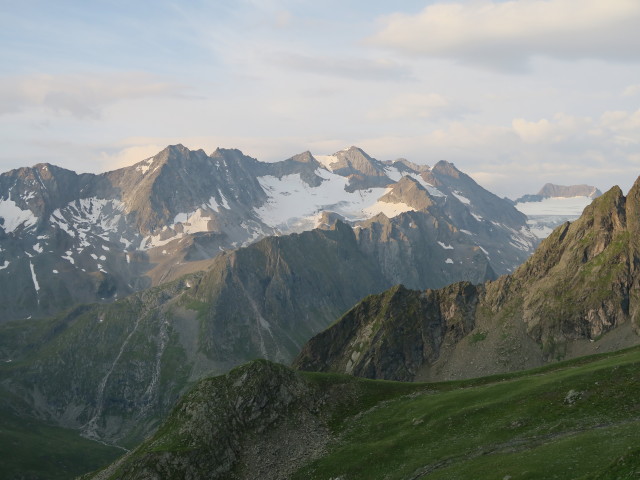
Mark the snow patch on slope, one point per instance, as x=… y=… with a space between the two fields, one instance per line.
x=460 y=197
x=15 y=217
x=390 y=210
x=326 y=160
x=144 y=165
x=33 y=277
x=196 y=221
x=88 y=215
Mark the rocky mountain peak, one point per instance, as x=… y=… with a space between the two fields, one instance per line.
x=195 y=180
x=303 y=164
x=305 y=157
x=608 y=211
x=408 y=191
x=579 y=242
x=354 y=160
x=169 y=155
x=228 y=153
x=260 y=419
x=446 y=168
x=552 y=190
x=362 y=170
x=34 y=192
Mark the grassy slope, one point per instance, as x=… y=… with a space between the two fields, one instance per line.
x=31 y=449
x=517 y=425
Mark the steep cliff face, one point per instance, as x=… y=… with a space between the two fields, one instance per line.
x=577 y=294
x=267 y=300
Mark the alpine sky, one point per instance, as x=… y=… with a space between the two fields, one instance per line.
x=516 y=93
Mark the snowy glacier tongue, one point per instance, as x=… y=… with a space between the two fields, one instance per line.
x=292 y=203
x=544 y=216
x=572 y=206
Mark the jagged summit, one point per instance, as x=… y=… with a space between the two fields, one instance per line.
x=305 y=157
x=410 y=192
x=446 y=168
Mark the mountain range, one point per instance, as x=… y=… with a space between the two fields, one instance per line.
x=68 y=238
x=261 y=267
x=129 y=359
x=576 y=295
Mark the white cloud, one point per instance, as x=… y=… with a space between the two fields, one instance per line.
x=631 y=90
x=519 y=158
x=129 y=155
x=506 y=35
x=622 y=121
x=561 y=128
x=80 y=95
x=410 y=106
x=357 y=68
x=511 y=159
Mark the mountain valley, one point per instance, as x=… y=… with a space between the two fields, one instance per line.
x=162 y=276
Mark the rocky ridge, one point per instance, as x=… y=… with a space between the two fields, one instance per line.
x=576 y=295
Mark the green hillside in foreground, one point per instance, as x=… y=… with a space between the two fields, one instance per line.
x=575 y=419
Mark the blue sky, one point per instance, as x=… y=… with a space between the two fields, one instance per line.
x=515 y=93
